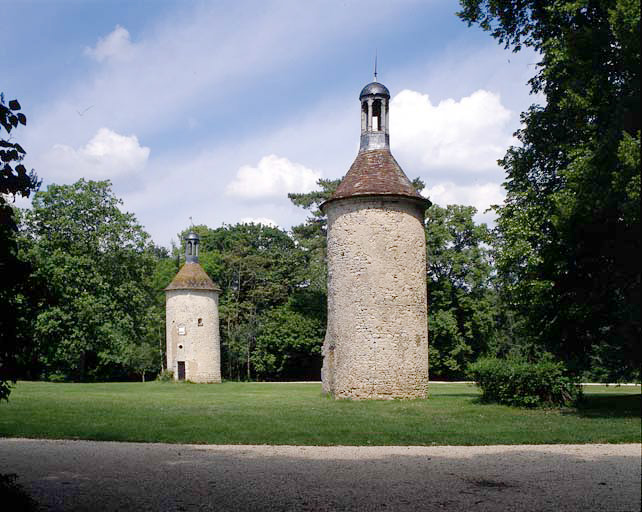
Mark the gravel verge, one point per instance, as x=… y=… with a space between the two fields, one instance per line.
x=96 y=476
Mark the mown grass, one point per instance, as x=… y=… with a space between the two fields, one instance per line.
x=272 y=413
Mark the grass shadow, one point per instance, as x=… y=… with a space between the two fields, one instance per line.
x=590 y=406
x=609 y=406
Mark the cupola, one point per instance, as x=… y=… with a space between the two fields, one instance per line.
x=374 y=99
x=191 y=247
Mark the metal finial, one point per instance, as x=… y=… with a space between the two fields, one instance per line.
x=375 y=66
x=191 y=222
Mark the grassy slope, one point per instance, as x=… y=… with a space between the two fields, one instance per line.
x=256 y=413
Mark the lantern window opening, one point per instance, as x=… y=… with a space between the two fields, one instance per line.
x=376 y=115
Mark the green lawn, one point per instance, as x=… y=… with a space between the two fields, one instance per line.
x=271 y=413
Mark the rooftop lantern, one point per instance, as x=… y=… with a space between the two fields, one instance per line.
x=191 y=247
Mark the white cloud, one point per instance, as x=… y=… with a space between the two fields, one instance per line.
x=479 y=196
x=259 y=220
x=272 y=177
x=106 y=155
x=468 y=135
x=115 y=45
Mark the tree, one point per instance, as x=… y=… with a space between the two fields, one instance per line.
x=14 y=180
x=142 y=358
x=311 y=236
x=94 y=263
x=462 y=304
x=288 y=344
x=165 y=269
x=568 y=231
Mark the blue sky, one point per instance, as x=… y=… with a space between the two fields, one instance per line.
x=216 y=110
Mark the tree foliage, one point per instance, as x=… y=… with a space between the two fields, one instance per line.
x=288 y=344
x=14 y=180
x=568 y=232
x=462 y=304
x=93 y=263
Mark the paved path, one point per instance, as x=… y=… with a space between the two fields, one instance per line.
x=93 y=476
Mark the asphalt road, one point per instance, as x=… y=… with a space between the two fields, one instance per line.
x=97 y=476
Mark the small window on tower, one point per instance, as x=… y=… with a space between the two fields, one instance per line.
x=200 y=322
x=376 y=115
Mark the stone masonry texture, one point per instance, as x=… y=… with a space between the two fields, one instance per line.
x=193 y=333
x=376 y=344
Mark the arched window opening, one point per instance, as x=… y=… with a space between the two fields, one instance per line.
x=376 y=115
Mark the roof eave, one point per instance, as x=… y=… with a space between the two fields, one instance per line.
x=426 y=203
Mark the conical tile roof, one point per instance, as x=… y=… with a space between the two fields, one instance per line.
x=376 y=173
x=191 y=276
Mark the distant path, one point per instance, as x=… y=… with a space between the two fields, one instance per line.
x=96 y=476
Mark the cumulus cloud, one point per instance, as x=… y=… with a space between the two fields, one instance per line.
x=115 y=45
x=259 y=220
x=107 y=155
x=468 y=135
x=272 y=177
x=480 y=196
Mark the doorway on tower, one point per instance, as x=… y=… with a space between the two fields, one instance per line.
x=181 y=370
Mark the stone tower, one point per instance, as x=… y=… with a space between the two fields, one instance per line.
x=191 y=302
x=376 y=343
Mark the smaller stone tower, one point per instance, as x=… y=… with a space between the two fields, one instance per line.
x=376 y=343
x=193 y=339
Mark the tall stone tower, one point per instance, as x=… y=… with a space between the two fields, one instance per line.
x=193 y=339
x=376 y=343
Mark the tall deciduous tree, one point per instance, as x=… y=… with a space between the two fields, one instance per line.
x=14 y=180
x=462 y=303
x=95 y=263
x=569 y=229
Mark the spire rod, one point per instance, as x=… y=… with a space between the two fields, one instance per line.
x=375 y=66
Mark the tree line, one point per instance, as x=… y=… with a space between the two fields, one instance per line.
x=94 y=305
x=557 y=278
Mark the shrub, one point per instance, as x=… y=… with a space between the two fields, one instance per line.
x=524 y=384
x=166 y=376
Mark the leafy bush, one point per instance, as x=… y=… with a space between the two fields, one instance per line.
x=524 y=384
x=166 y=376
x=57 y=377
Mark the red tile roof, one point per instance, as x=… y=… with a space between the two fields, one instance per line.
x=376 y=173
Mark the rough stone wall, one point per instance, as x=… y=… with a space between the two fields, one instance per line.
x=376 y=342
x=200 y=346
